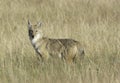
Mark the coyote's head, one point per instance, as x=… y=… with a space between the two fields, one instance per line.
x=35 y=32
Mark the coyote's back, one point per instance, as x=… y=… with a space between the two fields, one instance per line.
x=66 y=49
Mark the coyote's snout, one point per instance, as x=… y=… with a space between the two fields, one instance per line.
x=66 y=49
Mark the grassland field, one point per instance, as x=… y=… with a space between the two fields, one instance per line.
x=95 y=23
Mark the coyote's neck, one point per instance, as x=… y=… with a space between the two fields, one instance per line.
x=36 y=38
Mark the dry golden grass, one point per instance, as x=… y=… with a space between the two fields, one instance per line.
x=95 y=23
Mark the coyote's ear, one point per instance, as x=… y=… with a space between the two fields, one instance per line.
x=29 y=24
x=39 y=24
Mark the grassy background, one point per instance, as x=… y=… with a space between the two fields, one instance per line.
x=95 y=23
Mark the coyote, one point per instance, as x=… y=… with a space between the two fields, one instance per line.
x=66 y=49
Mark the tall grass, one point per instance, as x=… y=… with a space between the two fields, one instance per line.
x=95 y=23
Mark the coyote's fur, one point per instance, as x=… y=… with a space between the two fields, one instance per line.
x=66 y=49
